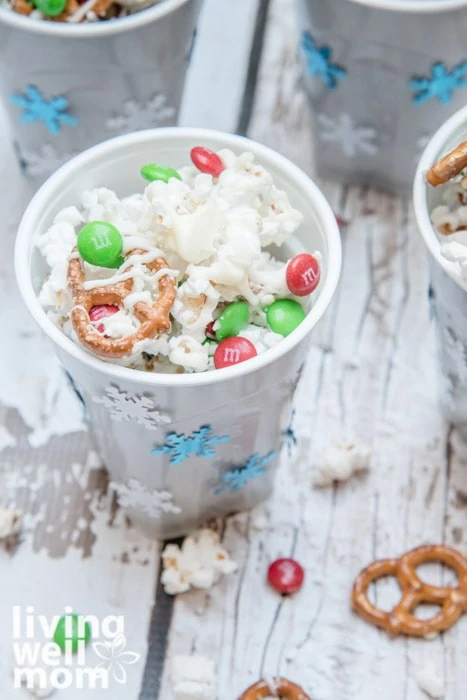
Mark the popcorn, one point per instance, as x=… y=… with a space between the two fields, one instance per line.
x=193 y=678
x=341 y=462
x=189 y=353
x=210 y=231
x=199 y=563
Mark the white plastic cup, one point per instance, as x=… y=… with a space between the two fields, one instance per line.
x=241 y=411
x=448 y=292
x=371 y=125
x=113 y=77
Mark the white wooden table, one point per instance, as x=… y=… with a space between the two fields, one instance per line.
x=371 y=376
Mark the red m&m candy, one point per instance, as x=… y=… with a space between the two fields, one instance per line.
x=286 y=576
x=207 y=161
x=102 y=311
x=232 y=351
x=302 y=274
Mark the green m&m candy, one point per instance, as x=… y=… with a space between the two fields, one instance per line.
x=71 y=631
x=100 y=243
x=284 y=315
x=152 y=172
x=232 y=320
x=50 y=8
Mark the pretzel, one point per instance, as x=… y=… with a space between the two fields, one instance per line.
x=401 y=620
x=283 y=689
x=154 y=319
x=448 y=166
x=22 y=7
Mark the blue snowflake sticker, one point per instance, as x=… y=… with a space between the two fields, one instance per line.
x=318 y=62
x=199 y=444
x=235 y=479
x=440 y=85
x=289 y=439
x=53 y=113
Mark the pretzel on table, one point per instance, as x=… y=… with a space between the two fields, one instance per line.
x=401 y=619
x=154 y=319
x=283 y=689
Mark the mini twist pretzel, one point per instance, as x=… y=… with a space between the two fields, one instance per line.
x=154 y=319
x=401 y=619
x=449 y=166
x=283 y=689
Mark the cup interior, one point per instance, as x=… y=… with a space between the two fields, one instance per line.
x=426 y=197
x=116 y=164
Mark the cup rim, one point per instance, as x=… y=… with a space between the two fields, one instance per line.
x=414 y=6
x=433 y=150
x=90 y=29
x=27 y=230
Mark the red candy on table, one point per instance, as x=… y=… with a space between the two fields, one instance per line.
x=302 y=274
x=207 y=161
x=102 y=311
x=286 y=576
x=231 y=351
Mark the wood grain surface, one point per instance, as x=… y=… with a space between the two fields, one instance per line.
x=371 y=377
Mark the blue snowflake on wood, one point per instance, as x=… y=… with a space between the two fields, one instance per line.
x=199 y=444
x=289 y=439
x=53 y=113
x=441 y=84
x=235 y=479
x=318 y=62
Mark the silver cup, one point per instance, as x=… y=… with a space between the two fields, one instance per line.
x=69 y=86
x=448 y=292
x=381 y=76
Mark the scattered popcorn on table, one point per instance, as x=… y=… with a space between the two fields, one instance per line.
x=180 y=273
x=193 y=678
x=341 y=462
x=199 y=563
x=430 y=681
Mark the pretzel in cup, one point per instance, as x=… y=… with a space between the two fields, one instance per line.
x=448 y=166
x=283 y=690
x=401 y=619
x=154 y=319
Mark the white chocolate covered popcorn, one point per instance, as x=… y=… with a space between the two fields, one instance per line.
x=211 y=233
x=199 y=563
x=193 y=677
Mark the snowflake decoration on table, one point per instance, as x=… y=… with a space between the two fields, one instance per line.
x=235 y=479
x=127 y=407
x=44 y=161
x=53 y=113
x=351 y=138
x=199 y=444
x=152 y=502
x=136 y=116
x=289 y=439
x=318 y=62
x=441 y=84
